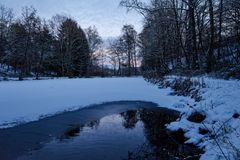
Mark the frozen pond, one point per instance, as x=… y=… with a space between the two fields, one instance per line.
x=118 y=130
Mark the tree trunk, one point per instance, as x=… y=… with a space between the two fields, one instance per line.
x=210 y=59
x=220 y=28
x=192 y=27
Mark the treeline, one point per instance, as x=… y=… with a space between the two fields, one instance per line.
x=59 y=47
x=188 y=35
x=30 y=45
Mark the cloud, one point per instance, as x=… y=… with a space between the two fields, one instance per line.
x=106 y=15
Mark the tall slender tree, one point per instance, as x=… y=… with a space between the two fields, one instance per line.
x=74 y=49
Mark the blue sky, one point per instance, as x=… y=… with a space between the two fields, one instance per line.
x=106 y=15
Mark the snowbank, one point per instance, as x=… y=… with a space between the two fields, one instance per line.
x=221 y=100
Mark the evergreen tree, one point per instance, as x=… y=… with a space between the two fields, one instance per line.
x=16 y=56
x=45 y=49
x=73 y=49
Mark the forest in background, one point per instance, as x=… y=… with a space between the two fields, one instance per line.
x=31 y=46
x=189 y=36
x=178 y=37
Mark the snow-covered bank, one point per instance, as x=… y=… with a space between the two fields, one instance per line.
x=221 y=105
x=30 y=100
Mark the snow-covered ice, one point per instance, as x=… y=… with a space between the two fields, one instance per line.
x=30 y=100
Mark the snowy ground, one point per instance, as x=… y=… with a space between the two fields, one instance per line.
x=30 y=100
x=221 y=100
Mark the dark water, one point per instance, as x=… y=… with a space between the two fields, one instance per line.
x=111 y=131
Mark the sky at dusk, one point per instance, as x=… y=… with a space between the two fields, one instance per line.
x=106 y=15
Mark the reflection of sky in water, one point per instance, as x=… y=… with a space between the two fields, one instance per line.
x=94 y=142
x=106 y=15
x=132 y=134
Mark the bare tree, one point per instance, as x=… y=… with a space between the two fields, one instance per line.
x=6 y=19
x=95 y=42
x=184 y=35
x=129 y=36
x=210 y=61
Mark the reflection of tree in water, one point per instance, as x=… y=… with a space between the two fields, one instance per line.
x=130 y=119
x=93 y=124
x=76 y=130
x=159 y=144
